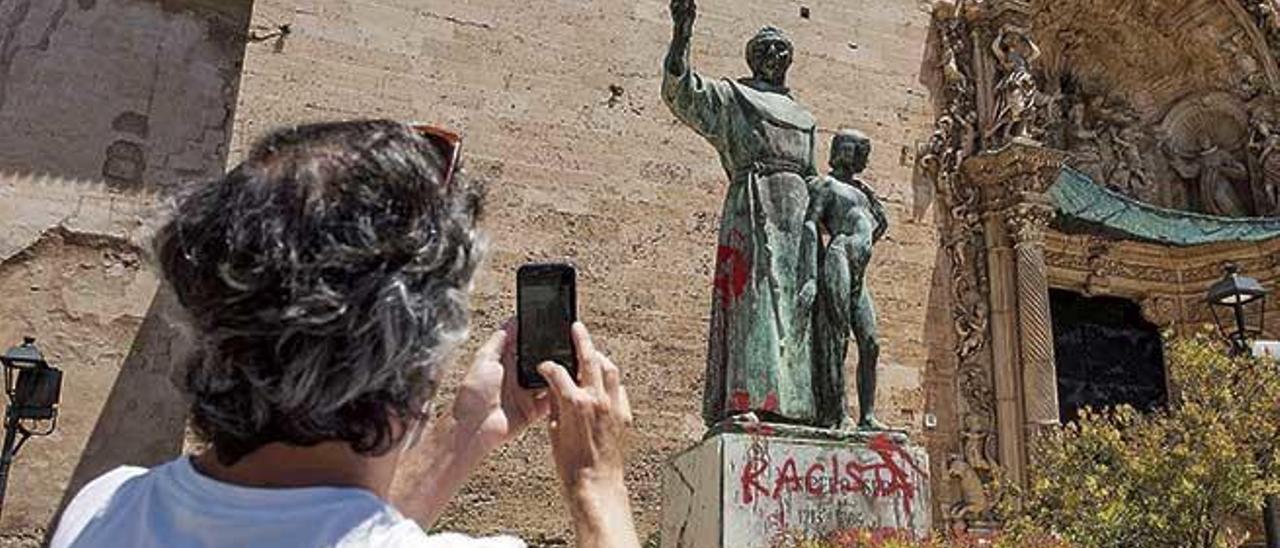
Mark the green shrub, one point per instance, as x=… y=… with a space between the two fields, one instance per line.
x=1191 y=474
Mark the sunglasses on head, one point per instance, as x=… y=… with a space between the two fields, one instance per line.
x=447 y=142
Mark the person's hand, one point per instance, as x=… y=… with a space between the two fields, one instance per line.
x=490 y=402
x=683 y=12
x=588 y=424
x=490 y=409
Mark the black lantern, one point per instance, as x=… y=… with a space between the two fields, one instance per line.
x=1241 y=297
x=1233 y=300
x=33 y=387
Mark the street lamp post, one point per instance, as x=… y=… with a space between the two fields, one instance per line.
x=33 y=387
x=1232 y=300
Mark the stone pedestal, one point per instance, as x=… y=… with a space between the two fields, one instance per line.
x=745 y=490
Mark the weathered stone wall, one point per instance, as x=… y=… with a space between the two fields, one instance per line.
x=103 y=101
x=127 y=91
x=72 y=274
x=559 y=105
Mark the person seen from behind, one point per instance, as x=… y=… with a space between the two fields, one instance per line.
x=326 y=282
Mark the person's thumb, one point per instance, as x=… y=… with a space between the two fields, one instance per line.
x=558 y=380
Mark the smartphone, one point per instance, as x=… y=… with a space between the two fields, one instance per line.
x=546 y=307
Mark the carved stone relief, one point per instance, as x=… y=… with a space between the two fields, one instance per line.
x=1266 y=16
x=1263 y=154
x=1250 y=81
x=1017 y=93
x=1161 y=310
x=1100 y=267
x=1212 y=153
x=1168 y=101
x=1203 y=138
x=973 y=504
x=1171 y=102
x=954 y=139
x=1105 y=138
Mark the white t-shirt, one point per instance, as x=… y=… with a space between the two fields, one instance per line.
x=174 y=506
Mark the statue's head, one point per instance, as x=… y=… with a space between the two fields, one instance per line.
x=769 y=55
x=850 y=150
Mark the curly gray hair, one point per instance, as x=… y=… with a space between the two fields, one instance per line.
x=326 y=279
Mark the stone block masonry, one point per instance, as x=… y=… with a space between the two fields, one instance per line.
x=102 y=103
x=73 y=274
x=134 y=92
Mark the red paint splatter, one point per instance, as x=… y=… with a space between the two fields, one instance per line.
x=899 y=481
x=740 y=401
x=770 y=403
x=788 y=478
x=751 y=486
x=733 y=269
x=890 y=477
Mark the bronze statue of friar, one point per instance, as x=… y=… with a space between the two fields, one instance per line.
x=782 y=300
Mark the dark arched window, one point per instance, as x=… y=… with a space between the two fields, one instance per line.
x=1107 y=354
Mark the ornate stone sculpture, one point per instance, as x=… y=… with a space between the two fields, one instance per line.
x=974 y=502
x=1264 y=155
x=758 y=356
x=973 y=440
x=1217 y=174
x=847 y=210
x=1017 y=93
x=1129 y=175
x=955 y=140
x=1106 y=142
x=1212 y=142
x=1267 y=20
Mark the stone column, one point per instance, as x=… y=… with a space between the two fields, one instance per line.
x=1013 y=182
x=1003 y=297
x=1027 y=221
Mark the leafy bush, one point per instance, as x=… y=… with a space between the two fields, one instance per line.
x=1192 y=474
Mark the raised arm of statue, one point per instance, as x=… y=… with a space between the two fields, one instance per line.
x=1033 y=51
x=698 y=102
x=1005 y=48
x=998 y=48
x=683 y=13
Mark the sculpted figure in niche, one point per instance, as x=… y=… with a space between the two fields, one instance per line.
x=1108 y=118
x=929 y=168
x=973 y=439
x=973 y=502
x=1017 y=91
x=759 y=349
x=1106 y=141
x=1215 y=174
x=1083 y=142
x=845 y=213
x=1264 y=151
x=1128 y=174
x=1051 y=115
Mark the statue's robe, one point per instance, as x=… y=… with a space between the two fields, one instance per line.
x=758 y=354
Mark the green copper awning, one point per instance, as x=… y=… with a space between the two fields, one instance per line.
x=1087 y=207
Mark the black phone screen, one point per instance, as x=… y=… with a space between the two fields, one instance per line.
x=546 y=305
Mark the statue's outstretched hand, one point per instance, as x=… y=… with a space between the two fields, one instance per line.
x=683 y=12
